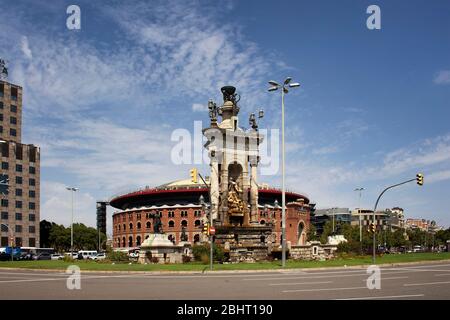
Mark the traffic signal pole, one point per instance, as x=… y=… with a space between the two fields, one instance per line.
x=210 y=225
x=419 y=179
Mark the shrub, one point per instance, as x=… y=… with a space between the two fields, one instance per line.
x=204 y=258
x=117 y=256
x=198 y=251
x=353 y=247
x=186 y=259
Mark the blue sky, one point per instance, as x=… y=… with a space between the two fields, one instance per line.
x=103 y=101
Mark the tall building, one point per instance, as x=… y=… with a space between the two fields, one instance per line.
x=20 y=165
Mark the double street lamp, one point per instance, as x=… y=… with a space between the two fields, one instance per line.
x=72 y=191
x=284 y=90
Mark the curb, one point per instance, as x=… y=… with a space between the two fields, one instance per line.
x=287 y=270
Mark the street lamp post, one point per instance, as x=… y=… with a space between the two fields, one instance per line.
x=284 y=89
x=72 y=190
x=359 y=213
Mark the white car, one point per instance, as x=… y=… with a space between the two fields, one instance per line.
x=56 y=256
x=74 y=255
x=99 y=256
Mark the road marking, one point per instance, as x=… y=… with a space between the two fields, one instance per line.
x=319 y=277
x=425 y=283
x=298 y=283
x=324 y=289
x=442 y=275
x=384 y=297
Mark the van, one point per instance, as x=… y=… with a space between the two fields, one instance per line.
x=87 y=254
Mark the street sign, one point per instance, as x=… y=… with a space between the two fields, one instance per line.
x=212 y=231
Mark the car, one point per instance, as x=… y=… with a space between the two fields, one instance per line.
x=99 y=256
x=418 y=249
x=56 y=256
x=43 y=256
x=73 y=254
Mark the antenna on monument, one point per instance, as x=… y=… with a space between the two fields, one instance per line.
x=3 y=69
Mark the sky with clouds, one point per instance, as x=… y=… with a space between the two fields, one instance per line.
x=102 y=102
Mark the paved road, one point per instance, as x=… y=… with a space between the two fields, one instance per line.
x=425 y=281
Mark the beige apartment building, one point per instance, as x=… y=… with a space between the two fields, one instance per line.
x=20 y=164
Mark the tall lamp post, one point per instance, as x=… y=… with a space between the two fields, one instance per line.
x=359 y=213
x=284 y=89
x=72 y=191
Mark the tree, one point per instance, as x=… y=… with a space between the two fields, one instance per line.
x=312 y=233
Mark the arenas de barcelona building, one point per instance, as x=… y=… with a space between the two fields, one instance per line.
x=178 y=205
x=244 y=214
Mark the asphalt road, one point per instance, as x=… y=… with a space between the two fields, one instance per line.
x=424 y=281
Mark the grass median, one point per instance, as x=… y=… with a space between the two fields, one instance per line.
x=193 y=266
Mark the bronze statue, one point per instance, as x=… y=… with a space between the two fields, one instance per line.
x=236 y=206
x=183 y=236
x=157 y=224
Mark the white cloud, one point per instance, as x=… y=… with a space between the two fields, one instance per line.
x=57 y=205
x=442 y=77
x=198 y=107
x=26 y=48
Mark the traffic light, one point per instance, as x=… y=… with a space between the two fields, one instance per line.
x=206 y=229
x=419 y=179
x=372 y=227
x=4 y=184
x=193 y=173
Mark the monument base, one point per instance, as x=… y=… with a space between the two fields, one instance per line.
x=157 y=248
x=245 y=244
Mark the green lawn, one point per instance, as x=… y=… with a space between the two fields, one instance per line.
x=92 y=265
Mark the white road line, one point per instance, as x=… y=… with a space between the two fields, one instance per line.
x=425 y=283
x=319 y=277
x=393 y=278
x=442 y=275
x=324 y=289
x=298 y=283
x=33 y=274
x=384 y=297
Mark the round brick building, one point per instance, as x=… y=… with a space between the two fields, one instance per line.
x=178 y=205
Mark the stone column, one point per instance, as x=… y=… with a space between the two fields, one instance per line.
x=214 y=188
x=253 y=193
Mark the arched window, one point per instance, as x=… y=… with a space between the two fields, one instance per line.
x=138 y=241
x=139 y=226
x=118 y=242
x=184 y=223
x=262 y=222
x=196 y=238
x=170 y=237
x=131 y=226
x=197 y=223
x=124 y=227
x=171 y=224
x=124 y=244
x=130 y=241
x=148 y=225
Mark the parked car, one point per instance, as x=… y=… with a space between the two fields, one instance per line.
x=43 y=256
x=56 y=256
x=418 y=249
x=27 y=256
x=73 y=254
x=99 y=256
x=86 y=254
